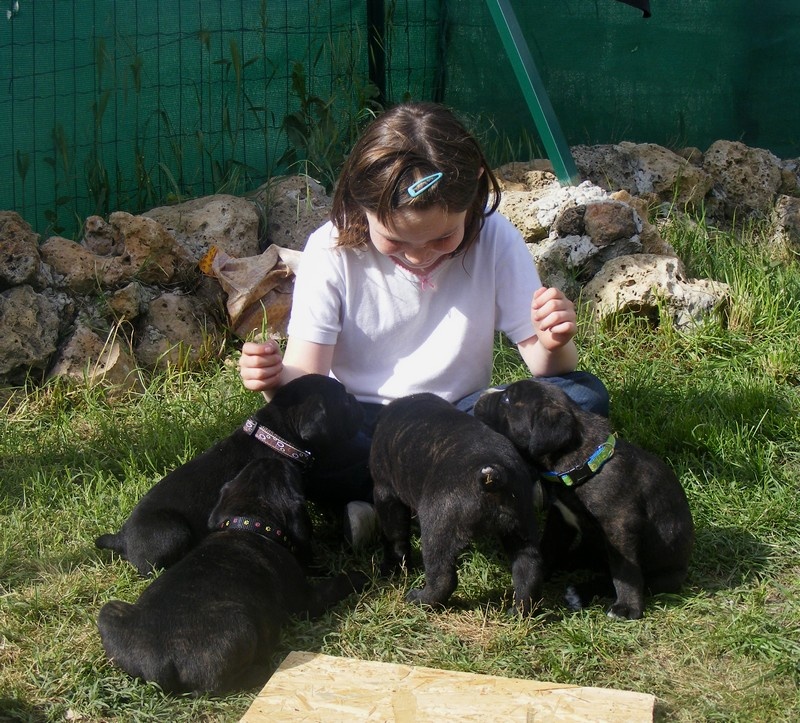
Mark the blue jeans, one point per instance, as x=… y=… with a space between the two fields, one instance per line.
x=585 y=389
x=347 y=478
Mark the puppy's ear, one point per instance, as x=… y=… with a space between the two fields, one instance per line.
x=552 y=428
x=217 y=514
x=311 y=419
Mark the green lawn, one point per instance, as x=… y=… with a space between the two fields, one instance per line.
x=721 y=405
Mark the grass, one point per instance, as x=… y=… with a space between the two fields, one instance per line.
x=721 y=405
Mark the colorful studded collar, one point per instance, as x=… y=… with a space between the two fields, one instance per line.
x=273 y=441
x=247 y=523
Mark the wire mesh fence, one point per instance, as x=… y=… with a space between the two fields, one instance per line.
x=111 y=105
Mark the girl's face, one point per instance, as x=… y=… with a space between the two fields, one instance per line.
x=418 y=239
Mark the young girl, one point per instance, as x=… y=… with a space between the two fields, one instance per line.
x=404 y=288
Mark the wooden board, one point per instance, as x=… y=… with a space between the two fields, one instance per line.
x=327 y=689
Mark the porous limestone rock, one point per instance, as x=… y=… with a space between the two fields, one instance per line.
x=785 y=223
x=295 y=206
x=30 y=325
x=746 y=180
x=91 y=359
x=19 y=254
x=646 y=284
x=227 y=222
x=175 y=332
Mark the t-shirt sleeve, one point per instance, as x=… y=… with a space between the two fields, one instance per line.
x=317 y=297
x=516 y=279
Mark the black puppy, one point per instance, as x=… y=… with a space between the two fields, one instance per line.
x=306 y=421
x=623 y=508
x=462 y=479
x=211 y=622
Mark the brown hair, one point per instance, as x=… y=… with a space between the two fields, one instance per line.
x=401 y=146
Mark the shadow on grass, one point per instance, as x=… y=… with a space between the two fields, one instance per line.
x=18 y=711
x=726 y=557
x=691 y=420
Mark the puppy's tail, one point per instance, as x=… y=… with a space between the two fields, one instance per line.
x=111 y=541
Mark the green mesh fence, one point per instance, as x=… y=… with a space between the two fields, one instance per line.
x=126 y=105
x=109 y=105
x=695 y=72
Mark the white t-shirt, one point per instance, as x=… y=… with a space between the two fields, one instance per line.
x=396 y=333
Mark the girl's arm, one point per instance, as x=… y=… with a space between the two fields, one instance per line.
x=263 y=370
x=552 y=350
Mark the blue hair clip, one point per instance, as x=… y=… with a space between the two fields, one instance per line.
x=423 y=184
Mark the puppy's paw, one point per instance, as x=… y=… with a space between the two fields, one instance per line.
x=518 y=611
x=573 y=599
x=621 y=611
x=522 y=608
x=421 y=596
x=416 y=595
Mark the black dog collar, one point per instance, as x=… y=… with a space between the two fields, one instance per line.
x=245 y=523
x=578 y=475
x=273 y=441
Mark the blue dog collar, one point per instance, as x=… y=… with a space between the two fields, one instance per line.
x=578 y=475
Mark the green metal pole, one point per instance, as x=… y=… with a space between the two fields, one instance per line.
x=533 y=89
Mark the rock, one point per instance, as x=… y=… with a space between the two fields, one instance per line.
x=145 y=251
x=790 y=177
x=295 y=206
x=140 y=273
x=606 y=166
x=644 y=169
x=644 y=284
x=573 y=231
x=518 y=207
x=692 y=154
x=534 y=214
x=746 y=180
x=88 y=358
x=785 y=223
x=669 y=177
x=535 y=176
x=651 y=240
x=149 y=254
x=228 y=222
x=569 y=222
x=127 y=303
x=175 y=332
x=99 y=237
x=30 y=325
x=560 y=260
x=609 y=221
x=19 y=258
x=75 y=267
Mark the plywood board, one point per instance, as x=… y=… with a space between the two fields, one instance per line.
x=327 y=689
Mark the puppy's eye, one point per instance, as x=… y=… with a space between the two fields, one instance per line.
x=504 y=398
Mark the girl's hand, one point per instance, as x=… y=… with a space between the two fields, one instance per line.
x=260 y=366
x=553 y=317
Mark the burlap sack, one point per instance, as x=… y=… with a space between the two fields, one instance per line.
x=259 y=288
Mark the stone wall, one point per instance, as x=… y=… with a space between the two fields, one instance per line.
x=174 y=286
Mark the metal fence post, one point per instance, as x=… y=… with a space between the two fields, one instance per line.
x=533 y=89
